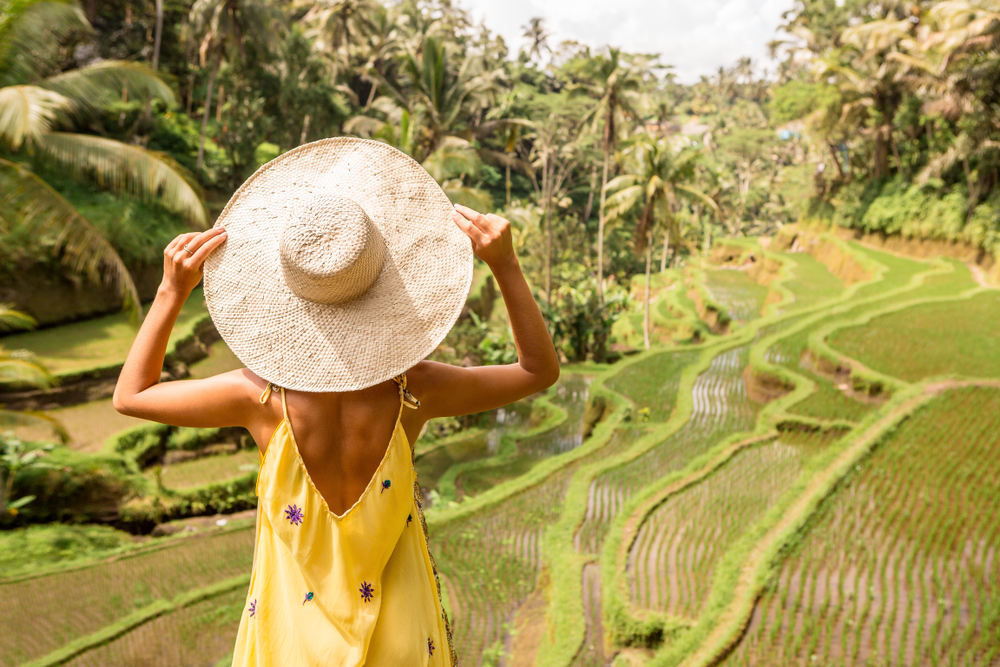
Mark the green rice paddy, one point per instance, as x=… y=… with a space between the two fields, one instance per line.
x=896 y=565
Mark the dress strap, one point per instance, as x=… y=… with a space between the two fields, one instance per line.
x=405 y=397
x=267 y=394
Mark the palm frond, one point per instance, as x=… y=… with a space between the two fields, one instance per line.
x=10 y=418
x=90 y=87
x=363 y=126
x=142 y=172
x=27 y=113
x=698 y=196
x=31 y=29
x=11 y=320
x=80 y=244
x=20 y=367
x=474 y=198
x=452 y=158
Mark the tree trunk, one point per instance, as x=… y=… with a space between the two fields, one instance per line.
x=371 y=94
x=219 y=102
x=156 y=51
x=649 y=260
x=590 y=197
x=666 y=246
x=208 y=108
x=836 y=160
x=600 y=228
x=305 y=129
x=546 y=188
x=508 y=185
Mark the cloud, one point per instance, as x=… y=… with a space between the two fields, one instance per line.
x=695 y=36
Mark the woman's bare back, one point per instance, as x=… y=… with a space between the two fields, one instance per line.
x=342 y=437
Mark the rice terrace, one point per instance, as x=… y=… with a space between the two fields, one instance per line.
x=760 y=497
x=771 y=283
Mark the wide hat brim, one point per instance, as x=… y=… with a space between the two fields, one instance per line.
x=406 y=313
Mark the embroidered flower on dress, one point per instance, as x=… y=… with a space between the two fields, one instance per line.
x=367 y=591
x=253 y=607
x=385 y=485
x=309 y=597
x=430 y=646
x=294 y=514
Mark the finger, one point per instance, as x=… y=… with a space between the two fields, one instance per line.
x=200 y=238
x=181 y=251
x=473 y=232
x=208 y=246
x=175 y=244
x=475 y=217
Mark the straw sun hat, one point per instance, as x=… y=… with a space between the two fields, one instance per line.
x=342 y=267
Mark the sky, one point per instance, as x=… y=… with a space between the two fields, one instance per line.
x=695 y=36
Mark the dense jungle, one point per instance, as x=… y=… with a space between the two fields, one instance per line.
x=774 y=294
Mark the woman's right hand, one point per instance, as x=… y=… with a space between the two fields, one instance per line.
x=184 y=258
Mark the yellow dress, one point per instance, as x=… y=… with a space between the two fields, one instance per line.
x=356 y=589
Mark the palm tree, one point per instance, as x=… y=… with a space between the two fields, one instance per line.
x=657 y=178
x=938 y=64
x=337 y=26
x=36 y=104
x=453 y=159
x=449 y=97
x=615 y=83
x=217 y=24
x=538 y=36
x=555 y=153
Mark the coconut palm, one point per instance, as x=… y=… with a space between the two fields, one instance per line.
x=657 y=179
x=36 y=105
x=220 y=24
x=453 y=159
x=537 y=36
x=615 y=81
x=451 y=98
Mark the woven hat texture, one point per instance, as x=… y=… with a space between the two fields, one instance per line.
x=342 y=267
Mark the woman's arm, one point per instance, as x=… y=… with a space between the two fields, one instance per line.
x=223 y=400
x=446 y=390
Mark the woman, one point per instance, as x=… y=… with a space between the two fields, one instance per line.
x=331 y=274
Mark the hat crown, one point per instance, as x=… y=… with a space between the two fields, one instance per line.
x=332 y=252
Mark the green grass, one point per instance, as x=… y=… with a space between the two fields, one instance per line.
x=900 y=271
x=220 y=359
x=899 y=565
x=209 y=469
x=813 y=282
x=33 y=548
x=929 y=340
x=97 y=343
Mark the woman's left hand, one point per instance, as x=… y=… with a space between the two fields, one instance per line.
x=490 y=234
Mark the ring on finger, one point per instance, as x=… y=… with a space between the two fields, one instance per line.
x=188 y=250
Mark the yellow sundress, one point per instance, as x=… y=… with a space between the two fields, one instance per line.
x=356 y=589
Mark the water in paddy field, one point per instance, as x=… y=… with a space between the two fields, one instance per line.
x=720 y=408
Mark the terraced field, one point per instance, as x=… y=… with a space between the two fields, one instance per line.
x=901 y=566
x=649 y=541
x=43 y=613
x=720 y=408
x=670 y=564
